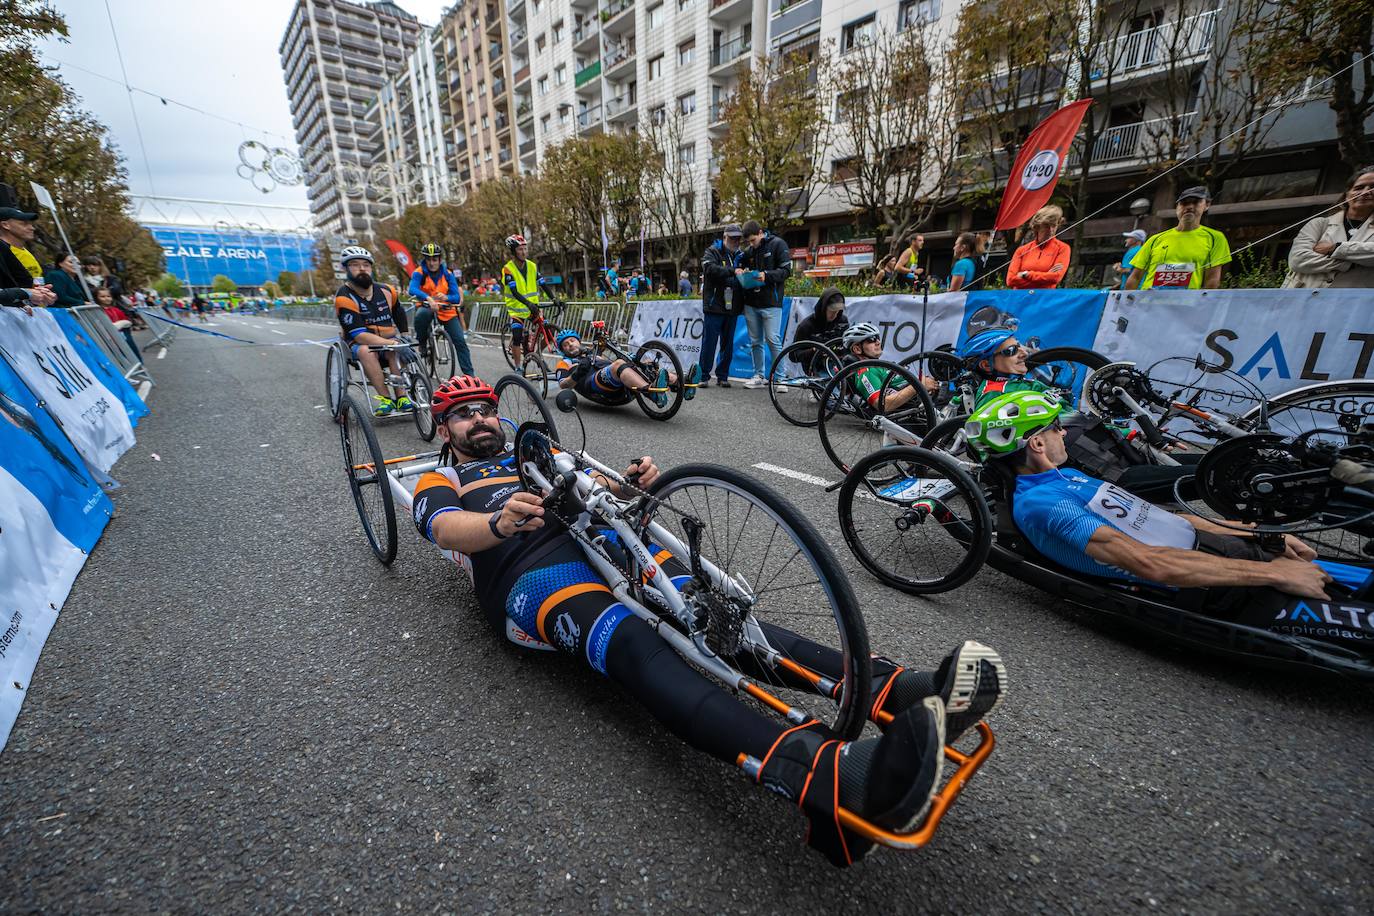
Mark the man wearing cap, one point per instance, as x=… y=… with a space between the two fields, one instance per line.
x=721 y=303
x=1189 y=256
x=1134 y=239
x=18 y=266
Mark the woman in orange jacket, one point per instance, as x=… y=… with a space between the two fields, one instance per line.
x=1042 y=262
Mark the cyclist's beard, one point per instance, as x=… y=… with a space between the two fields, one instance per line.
x=482 y=440
x=363 y=281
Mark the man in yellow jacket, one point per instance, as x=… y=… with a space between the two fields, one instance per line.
x=520 y=283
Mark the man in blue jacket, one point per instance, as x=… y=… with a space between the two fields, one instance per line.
x=440 y=296
x=767 y=263
x=721 y=303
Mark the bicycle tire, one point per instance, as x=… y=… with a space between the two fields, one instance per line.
x=442 y=359
x=970 y=532
x=363 y=465
x=1066 y=356
x=947 y=437
x=845 y=441
x=422 y=394
x=536 y=371
x=1337 y=416
x=689 y=487
x=799 y=400
x=517 y=401
x=505 y=347
x=335 y=377
x=650 y=372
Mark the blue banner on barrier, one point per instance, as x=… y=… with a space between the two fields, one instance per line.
x=100 y=364
x=1042 y=317
x=35 y=452
x=741 y=364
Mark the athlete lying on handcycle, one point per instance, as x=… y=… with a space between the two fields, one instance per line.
x=607 y=381
x=1100 y=530
x=535 y=584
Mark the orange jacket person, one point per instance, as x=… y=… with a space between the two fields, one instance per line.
x=440 y=296
x=1042 y=262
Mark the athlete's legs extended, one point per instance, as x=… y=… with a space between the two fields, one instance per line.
x=628 y=375
x=394 y=360
x=454 y=329
x=372 y=368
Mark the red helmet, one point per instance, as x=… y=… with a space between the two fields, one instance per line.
x=459 y=390
x=515 y=241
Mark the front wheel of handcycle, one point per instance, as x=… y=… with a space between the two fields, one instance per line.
x=517 y=402
x=650 y=359
x=335 y=377
x=797 y=378
x=926 y=529
x=367 y=478
x=872 y=404
x=536 y=371
x=1064 y=368
x=769 y=593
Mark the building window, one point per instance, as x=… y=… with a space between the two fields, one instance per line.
x=658 y=114
x=656 y=17
x=563 y=112
x=687 y=154
x=687 y=103
x=486 y=122
x=544 y=124
x=538 y=4
x=543 y=85
x=656 y=67
x=539 y=41
x=558 y=31
x=685 y=4
x=686 y=52
x=560 y=74
x=858 y=32
x=842 y=170
x=915 y=12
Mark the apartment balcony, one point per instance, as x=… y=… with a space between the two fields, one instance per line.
x=622 y=108
x=587 y=74
x=713 y=167
x=731 y=10
x=521 y=77
x=524 y=111
x=614 y=20
x=494 y=51
x=619 y=61
x=589 y=120
x=493 y=15
x=517 y=37
x=502 y=123
x=498 y=88
x=584 y=37
x=1131 y=143
x=527 y=148
x=504 y=156
x=731 y=51
x=513 y=9
x=717 y=116
x=1167 y=44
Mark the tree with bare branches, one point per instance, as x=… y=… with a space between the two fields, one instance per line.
x=671 y=207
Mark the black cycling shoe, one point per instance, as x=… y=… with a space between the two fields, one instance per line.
x=891 y=780
x=971 y=681
x=723 y=383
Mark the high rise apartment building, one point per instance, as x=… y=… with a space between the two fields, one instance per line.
x=481 y=65
x=335 y=57
x=410 y=135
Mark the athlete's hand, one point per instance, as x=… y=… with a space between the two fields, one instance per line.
x=647 y=471
x=1301 y=578
x=1297 y=549
x=522 y=512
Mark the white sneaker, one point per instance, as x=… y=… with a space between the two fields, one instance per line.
x=757 y=381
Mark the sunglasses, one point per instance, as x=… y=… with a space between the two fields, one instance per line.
x=471 y=412
x=1055 y=427
x=1010 y=351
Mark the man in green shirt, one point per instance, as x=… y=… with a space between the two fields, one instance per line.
x=1187 y=257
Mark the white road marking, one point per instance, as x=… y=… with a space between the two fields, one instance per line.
x=275 y=331
x=795 y=475
x=256 y=327
x=162 y=354
x=145 y=387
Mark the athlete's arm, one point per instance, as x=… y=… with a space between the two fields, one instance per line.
x=1194 y=569
x=1211 y=278
x=414 y=288
x=470 y=532
x=1293 y=548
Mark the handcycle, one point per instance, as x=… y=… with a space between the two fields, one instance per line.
x=343 y=374
x=648 y=359
x=753 y=564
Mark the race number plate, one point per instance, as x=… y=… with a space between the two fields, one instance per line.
x=1141 y=520
x=1174 y=275
x=913 y=488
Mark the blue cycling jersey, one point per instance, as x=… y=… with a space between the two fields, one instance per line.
x=1059 y=510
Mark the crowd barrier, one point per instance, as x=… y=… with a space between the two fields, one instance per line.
x=67 y=412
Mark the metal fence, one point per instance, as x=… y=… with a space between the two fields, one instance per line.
x=111 y=340
x=489 y=318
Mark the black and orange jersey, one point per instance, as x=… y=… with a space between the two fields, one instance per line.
x=374 y=314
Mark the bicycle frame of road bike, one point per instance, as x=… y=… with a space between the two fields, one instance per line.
x=595 y=498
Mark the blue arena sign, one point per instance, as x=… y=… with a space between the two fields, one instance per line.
x=197 y=254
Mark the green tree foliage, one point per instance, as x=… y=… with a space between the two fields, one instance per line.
x=586 y=179
x=50 y=139
x=169 y=285
x=222 y=284
x=286 y=282
x=272 y=288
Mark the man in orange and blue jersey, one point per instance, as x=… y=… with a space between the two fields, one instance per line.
x=441 y=298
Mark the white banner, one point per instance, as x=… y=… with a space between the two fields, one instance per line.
x=37 y=567
x=1277 y=339
x=676 y=322
x=91 y=415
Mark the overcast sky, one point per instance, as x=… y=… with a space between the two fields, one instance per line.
x=218 y=57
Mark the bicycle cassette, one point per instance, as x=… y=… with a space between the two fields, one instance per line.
x=1099 y=390
x=1241 y=480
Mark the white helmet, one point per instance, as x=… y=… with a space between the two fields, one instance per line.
x=858 y=333
x=352 y=252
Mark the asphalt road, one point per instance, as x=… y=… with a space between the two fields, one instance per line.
x=240 y=709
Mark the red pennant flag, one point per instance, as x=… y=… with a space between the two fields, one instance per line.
x=1039 y=165
x=402 y=255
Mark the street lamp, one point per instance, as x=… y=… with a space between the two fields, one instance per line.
x=1139 y=207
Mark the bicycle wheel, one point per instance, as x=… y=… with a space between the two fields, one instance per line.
x=798 y=377
x=1064 y=368
x=441 y=356
x=1343 y=405
x=367 y=477
x=795 y=588
x=650 y=359
x=422 y=393
x=926 y=531
x=517 y=401
x=948 y=436
x=505 y=347
x=943 y=366
x=335 y=377
x=869 y=405
x=536 y=372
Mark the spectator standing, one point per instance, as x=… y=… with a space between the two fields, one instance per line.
x=121 y=320
x=1042 y=262
x=1189 y=256
x=1337 y=250
x=721 y=303
x=909 y=270
x=95 y=268
x=965 y=267
x=769 y=259
x=65 y=280
x=1134 y=239
x=887 y=270
x=684 y=284
x=18 y=267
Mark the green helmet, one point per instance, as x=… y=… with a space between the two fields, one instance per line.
x=1001 y=426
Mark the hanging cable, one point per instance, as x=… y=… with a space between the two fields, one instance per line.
x=138 y=128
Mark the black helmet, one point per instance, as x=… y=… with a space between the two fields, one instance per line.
x=431 y=251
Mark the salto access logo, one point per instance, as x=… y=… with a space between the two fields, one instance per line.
x=1341 y=355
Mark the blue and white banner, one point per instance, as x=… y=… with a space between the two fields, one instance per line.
x=92 y=416
x=1042 y=317
x=100 y=365
x=51 y=515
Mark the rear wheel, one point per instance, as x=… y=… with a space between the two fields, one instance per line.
x=518 y=402
x=505 y=347
x=335 y=377
x=926 y=529
x=872 y=404
x=797 y=378
x=1064 y=368
x=787 y=584
x=1344 y=405
x=422 y=394
x=651 y=358
x=536 y=371
x=943 y=366
x=367 y=477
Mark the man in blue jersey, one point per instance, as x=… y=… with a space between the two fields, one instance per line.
x=1099 y=529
